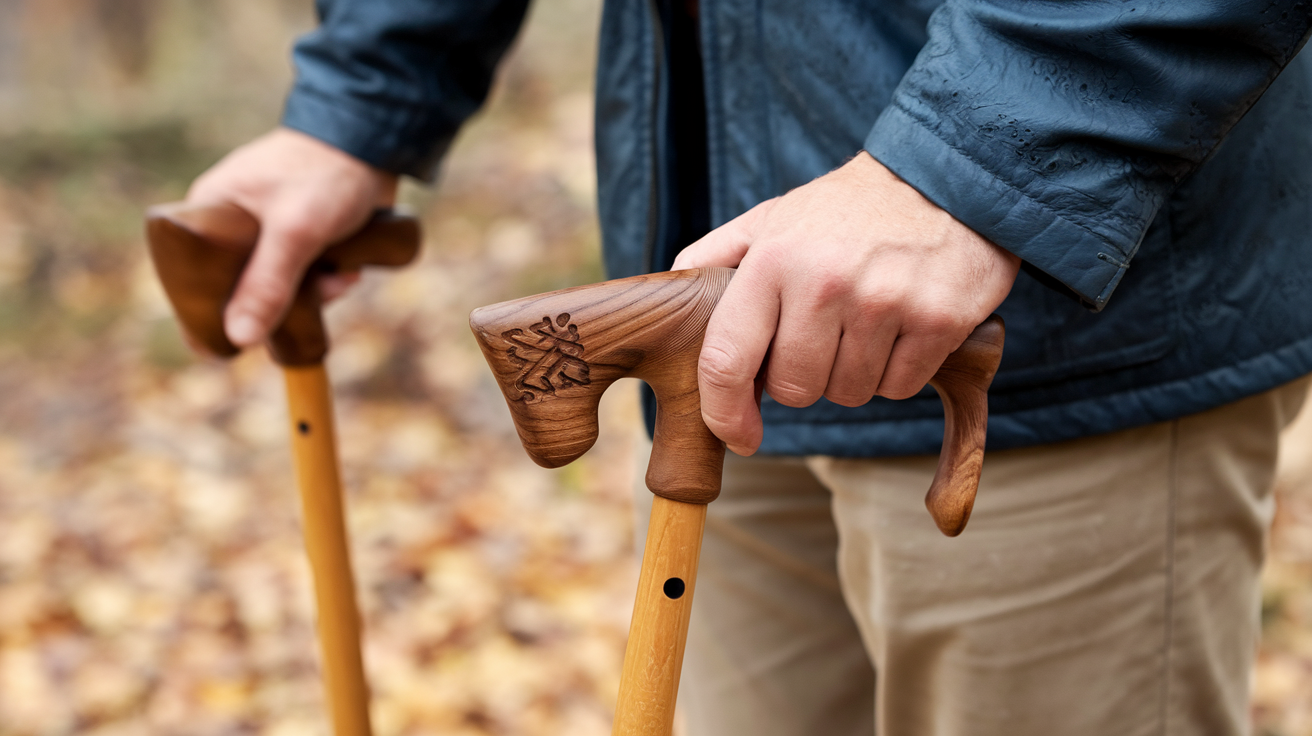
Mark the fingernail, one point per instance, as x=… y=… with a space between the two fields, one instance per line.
x=243 y=330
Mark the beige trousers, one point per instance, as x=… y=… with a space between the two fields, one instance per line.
x=1105 y=587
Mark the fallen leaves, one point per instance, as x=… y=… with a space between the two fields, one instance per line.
x=152 y=579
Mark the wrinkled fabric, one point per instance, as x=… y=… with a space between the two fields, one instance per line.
x=1150 y=161
x=1087 y=598
x=391 y=81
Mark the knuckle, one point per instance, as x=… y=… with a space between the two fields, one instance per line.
x=766 y=258
x=790 y=393
x=828 y=287
x=943 y=323
x=877 y=304
x=719 y=369
x=265 y=297
x=299 y=232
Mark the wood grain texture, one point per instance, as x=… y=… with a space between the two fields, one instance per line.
x=962 y=383
x=309 y=403
x=555 y=354
x=200 y=252
x=653 y=658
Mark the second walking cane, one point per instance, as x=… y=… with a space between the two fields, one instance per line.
x=554 y=355
x=199 y=253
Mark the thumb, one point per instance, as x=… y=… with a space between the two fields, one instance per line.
x=727 y=244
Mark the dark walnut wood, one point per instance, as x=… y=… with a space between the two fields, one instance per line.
x=200 y=252
x=555 y=354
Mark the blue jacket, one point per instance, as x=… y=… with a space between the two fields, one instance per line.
x=1151 y=162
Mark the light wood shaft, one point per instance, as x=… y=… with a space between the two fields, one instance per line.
x=313 y=448
x=653 y=659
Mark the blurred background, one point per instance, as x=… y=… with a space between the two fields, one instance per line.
x=151 y=572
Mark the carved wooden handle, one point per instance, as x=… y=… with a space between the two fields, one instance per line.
x=554 y=355
x=200 y=252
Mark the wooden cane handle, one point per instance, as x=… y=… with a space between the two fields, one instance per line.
x=962 y=383
x=200 y=252
x=555 y=354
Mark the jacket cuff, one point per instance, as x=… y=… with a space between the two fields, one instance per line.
x=1085 y=262
x=381 y=135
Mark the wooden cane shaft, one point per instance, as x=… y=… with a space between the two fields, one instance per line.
x=314 y=450
x=653 y=659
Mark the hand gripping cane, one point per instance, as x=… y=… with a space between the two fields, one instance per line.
x=554 y=355
x=199 y=253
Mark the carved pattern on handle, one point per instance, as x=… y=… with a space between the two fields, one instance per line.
x=648 y=327
x=551 y=361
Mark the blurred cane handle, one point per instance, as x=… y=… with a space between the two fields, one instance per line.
x=962 y=383
x=199 y=252
x=555 y=354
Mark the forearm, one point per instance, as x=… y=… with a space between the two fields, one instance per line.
x=391 y=81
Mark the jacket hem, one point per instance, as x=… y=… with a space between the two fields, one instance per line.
x=1084 y=417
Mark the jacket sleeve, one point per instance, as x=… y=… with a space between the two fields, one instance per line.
x=1057 y=129
x=390 y=81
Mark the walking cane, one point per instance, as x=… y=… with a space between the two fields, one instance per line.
x=199 y=253
x=554 y=354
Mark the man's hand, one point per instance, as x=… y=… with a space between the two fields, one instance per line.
x=306 y=195
x=855 y=284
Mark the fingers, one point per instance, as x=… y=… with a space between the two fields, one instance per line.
x=270 y=280
x=802 y=354
x=725 y=245
x=855 y=284
x=863 y=353
x=306 y=195
x=737 y=338
x=915 y=359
